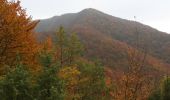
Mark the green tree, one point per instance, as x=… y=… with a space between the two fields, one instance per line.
x=62 y=46
x=92 y=84
x=16 y=85
x=165 y=89
x=75 y=48
x=163 y=92
x=49 y=85
x=67 y=48
x=156 y=95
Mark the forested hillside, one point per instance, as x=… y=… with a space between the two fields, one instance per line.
x=107 y=37
x=80 y=56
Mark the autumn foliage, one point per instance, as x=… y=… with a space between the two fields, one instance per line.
x=64 y=73
x=16 y=34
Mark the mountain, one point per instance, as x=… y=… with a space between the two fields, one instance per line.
x=107 y=37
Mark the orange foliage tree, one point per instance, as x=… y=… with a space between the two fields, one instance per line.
x=16 y=34
x=135 y=83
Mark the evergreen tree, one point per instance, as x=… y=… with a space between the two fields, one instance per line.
x=165 y=89
x=62 y=46
x=163 y=93
x=93 y=85
x=16 y=85
x=75 y=48
x=49 y=85
x=156 y=95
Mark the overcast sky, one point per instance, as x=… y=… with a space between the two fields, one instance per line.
x=155 y=13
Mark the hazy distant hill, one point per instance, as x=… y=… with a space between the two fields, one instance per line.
x=107 y=37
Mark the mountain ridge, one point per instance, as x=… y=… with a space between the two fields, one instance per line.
x=87 y=10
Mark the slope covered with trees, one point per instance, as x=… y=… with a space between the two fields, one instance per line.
x=107 y=37
x=60 y=67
